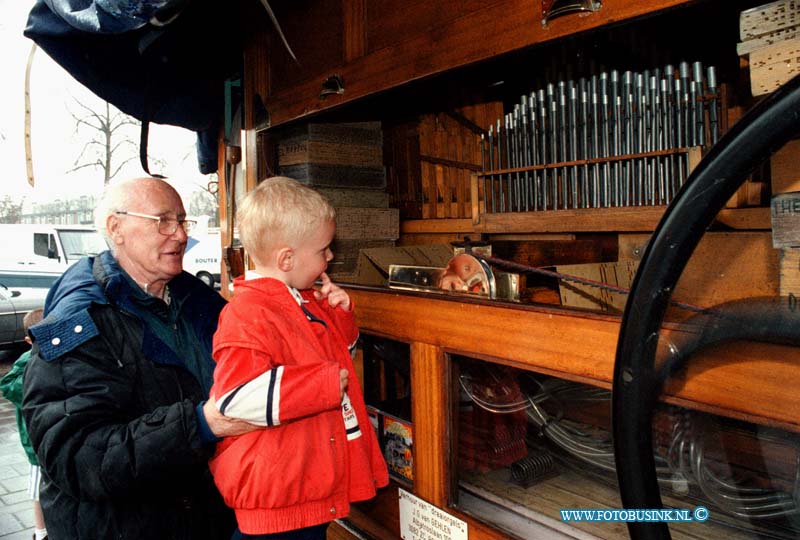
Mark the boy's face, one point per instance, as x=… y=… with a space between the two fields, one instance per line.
x=311 y=257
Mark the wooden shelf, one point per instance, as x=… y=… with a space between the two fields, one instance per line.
x=744 y=381
x=629 y=219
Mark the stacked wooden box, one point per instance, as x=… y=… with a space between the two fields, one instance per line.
x=344 y=162
x=770 y=37
x=334 y=155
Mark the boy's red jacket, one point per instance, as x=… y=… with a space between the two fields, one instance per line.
x=278 y=365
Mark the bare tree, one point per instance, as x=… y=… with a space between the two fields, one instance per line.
x=205 y=201
x=110 y=145
x=10 y=210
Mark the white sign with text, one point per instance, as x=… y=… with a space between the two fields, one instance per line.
x=420 y=520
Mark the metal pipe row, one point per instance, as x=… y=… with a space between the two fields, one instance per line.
x=607 y=140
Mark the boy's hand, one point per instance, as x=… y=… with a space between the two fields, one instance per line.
x=336 y=295
x=344 y=380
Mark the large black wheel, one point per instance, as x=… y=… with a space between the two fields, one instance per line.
x=637 y=384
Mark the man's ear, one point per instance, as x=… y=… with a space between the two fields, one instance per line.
x=113 y=227
x=285 y=259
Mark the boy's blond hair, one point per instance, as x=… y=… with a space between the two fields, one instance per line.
x=280 y=212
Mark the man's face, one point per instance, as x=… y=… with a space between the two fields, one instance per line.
x=142 y=251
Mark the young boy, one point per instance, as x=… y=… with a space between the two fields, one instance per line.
x=283 y=353
x=11 y=387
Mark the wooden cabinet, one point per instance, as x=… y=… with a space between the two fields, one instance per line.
x=379 y=45
x=409 y=65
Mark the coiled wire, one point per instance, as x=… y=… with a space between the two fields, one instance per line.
x=684 y=464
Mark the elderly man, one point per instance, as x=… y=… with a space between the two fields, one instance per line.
x=115 y=389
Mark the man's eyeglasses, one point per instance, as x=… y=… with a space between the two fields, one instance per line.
x=166 y=226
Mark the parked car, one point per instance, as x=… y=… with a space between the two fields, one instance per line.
x=20 y=293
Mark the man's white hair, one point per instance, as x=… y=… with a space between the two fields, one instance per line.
x=116 y=198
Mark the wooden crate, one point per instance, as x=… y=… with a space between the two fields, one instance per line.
x=346 y=155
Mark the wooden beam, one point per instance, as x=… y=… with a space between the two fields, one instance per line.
x=747 y=381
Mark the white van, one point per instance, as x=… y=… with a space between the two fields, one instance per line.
x=47 y=247
x=203 y=256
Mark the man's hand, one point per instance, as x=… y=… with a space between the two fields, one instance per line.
x=336 y=295
x=222 y=426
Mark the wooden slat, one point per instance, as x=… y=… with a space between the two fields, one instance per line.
x=354 y=13
x=429 y=376
x=421 y=226
x=745 y=218
x=749 y=382
x=641 y=218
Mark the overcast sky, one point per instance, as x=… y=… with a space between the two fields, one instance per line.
x=55 y=144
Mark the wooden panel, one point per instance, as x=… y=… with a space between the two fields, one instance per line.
x=389 y=19
x=580 y=347
x=429 y=383
x=378 y=518
x=306 y=24
x=551 y=252
x=458 y=41
x=746 y=382
x=724 y=267
x=745 y=218
x=783 y=167
x=790 y=273
x=355 y=39
x=749 y=382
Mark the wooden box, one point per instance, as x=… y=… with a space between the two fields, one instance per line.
x=333 y=155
